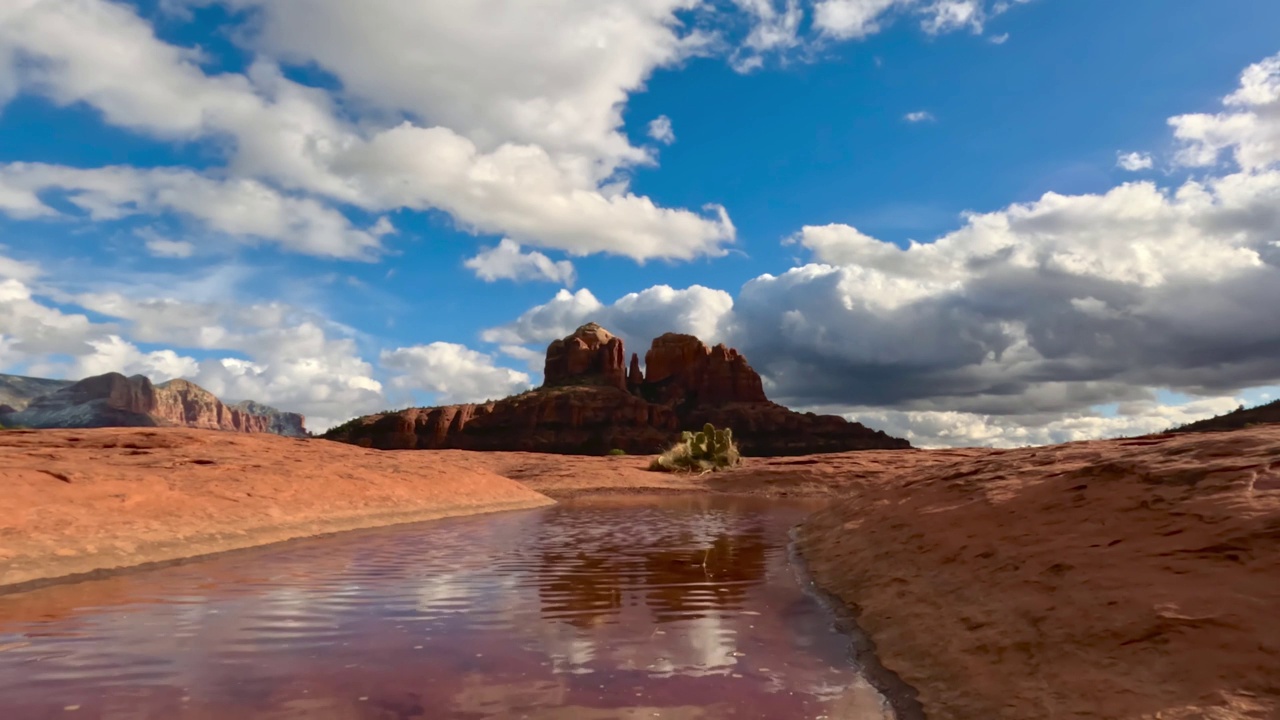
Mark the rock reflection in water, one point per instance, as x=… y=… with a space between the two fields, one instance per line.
x=605 y=608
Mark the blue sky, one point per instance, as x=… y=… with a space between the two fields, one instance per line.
x=337 y=212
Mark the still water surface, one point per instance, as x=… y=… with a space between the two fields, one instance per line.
x=660 y=607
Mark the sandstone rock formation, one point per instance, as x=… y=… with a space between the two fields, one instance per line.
x=590 y=354
x=17 y=391
x=593 y=401
x=113 y=400
x=278 y=422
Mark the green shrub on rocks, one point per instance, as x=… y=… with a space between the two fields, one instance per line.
x=617 y=451
x=705 y=451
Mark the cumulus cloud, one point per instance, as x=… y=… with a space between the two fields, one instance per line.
x=928 y=429
x=510 y=122
x=506 y=261
x=774 y=29
x=455 y=373
x=951 y=15
x=552 y=76
x=270 y=352
x=1248 y=130
x=1134 y=161
x=919 y=116
x=852 y=18
x=241 y=209
x=636 y=317
x=1058 y=304
x=660 y=130
x=856 y=19
x=516 y=133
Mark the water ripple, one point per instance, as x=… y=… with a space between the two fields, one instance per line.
x=678 y=607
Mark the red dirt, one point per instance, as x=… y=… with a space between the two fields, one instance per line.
x=78 y=501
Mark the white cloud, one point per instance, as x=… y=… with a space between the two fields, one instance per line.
x=111 y=353
x=1000 y=39
x=455 y=373
x=521 y=130
x=1068 y=301
x=533 y=359
x=268 y=352
x=520 y=191
x=510 y=122
x=856 y=19
x=844 y=19
x=660 y=130
x=637 y=318
x=1249 y=130
x=950 y=15
x=163 y=247
x=555 y=76
x=774 y=29
x=241 y=209
x=1134 y=161
x=505 y=261
x=919 y=117
x=956 y=429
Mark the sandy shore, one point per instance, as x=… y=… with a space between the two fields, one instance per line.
x=1123 y=579
x=96 y=500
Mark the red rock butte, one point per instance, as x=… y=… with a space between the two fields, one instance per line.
x=593 y=400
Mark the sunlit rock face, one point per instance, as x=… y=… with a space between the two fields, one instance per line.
x=593 y=401
x=113 y=400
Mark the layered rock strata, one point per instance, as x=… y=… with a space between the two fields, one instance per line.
x=593 y=401
x=113 y=400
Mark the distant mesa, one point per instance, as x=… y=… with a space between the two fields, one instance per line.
x=593 y=399
x=113 y=400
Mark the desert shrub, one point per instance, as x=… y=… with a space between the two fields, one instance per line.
x=617 y=451
x=705 y=451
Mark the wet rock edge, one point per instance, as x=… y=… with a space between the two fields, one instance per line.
x=902 y=698
x=374 y=522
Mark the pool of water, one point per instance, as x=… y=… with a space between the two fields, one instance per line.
x=657 y=607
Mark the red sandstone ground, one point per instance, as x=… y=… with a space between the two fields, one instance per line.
x=77 y=501
x=1121 y=579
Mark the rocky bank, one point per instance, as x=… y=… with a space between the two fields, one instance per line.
x=82 y=501
x=1117 y=579
x=593 y=400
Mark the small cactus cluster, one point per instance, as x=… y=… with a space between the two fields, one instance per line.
x=706 y=450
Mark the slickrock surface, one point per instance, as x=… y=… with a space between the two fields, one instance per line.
x=821 y=476
x=594 y=401
x=1119 y=579
x=1125 y=579
x=77 y=501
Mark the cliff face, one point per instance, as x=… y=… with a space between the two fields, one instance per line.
x=17 y=391
x=593 y=401
x=278 y=422
x=113 y=400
